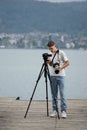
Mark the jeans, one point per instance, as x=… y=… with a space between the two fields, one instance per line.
x=58 y=82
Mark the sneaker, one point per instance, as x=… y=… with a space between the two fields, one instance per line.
x=53 y=114
x=63 y=114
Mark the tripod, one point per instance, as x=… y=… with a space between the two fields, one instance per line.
x=45 y=70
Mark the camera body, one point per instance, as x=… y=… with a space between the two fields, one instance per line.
x=56 y=65
x=45 y=56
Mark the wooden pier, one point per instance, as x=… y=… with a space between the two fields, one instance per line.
x=12 y=113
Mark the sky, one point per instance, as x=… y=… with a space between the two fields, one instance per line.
x=61 y=0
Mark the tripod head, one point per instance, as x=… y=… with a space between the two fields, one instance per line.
x=45 y=56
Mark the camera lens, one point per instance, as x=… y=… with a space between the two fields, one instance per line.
x=56 y=65
x=56 y=71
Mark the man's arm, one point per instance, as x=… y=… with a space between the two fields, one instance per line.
x=64 y=65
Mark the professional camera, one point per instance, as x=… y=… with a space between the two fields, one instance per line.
x=56 y=65
x=45 y=56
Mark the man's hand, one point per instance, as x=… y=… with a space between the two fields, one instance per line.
x=49 y=62
x=64 y=65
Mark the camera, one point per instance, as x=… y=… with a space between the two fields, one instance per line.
x=56 y=65
x=45 y=56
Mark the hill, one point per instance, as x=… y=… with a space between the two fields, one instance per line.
x=23 y=16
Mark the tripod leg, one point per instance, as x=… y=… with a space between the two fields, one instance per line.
x=47 y=97
x=30 y=102
x=40 y=74
x=45 y=75
x=50 y=85
x=58 y=115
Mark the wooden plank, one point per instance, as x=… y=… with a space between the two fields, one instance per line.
x=12 y=115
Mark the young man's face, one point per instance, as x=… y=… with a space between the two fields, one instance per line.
x=52 y=48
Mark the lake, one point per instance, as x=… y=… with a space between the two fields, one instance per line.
x=19 y=70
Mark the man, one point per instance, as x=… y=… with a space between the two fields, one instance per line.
x=58 y=64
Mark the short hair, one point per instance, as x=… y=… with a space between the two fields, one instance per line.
x=51 y=43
